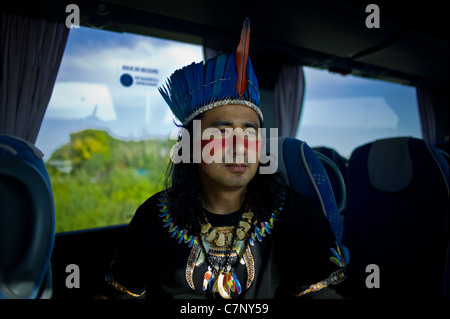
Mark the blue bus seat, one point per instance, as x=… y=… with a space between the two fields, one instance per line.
x=27 y=221
x=397 y=219
x=335 y=180
x=443 y=146
x=304 y=172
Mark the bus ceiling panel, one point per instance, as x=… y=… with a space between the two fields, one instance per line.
x=416 y=54
x=326 y=26
x=329 y=34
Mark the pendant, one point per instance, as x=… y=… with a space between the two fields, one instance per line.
x=221 y=284
x=206 y=279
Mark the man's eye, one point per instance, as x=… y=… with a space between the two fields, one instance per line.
x=250 y=131
x=226 y=130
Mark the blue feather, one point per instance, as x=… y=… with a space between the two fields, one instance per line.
x=335 y=254
x=252 y=92
x=218 y=74
x=209 y=78
x=267 y=227
x=181 y=234
x=237 y=283
x=191 y=241
x=167 y=224
x=251 y=240
x=258 y=236
x=228 y=89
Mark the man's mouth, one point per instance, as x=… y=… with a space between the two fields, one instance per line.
x=236 y=165
x=238 y=168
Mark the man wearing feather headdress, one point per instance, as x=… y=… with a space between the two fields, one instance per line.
x=221 y=229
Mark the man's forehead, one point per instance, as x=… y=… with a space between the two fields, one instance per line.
x=235 y=115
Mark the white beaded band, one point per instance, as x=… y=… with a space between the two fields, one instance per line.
x=210 y=106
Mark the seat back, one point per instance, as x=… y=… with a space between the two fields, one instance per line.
x=340 y=163
x=27 y=222
x=397 y=219
x=304 y=172
x=444 y=146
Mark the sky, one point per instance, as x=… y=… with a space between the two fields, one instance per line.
x=89 y=93
x=109 y=81
x=344 y=112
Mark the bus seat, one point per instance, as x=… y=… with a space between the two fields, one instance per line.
x=304 y=172
x=27 y=221
x=395 y=225
x=325 y=153
x=444 y=146
x=337 y=158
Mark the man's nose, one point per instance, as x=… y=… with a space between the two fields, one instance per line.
x=238 y=144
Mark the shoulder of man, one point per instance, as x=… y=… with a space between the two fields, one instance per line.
x=153 y=200
x=150 y=208
x=296 y=200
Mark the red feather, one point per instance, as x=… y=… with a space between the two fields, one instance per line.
x=242 y=57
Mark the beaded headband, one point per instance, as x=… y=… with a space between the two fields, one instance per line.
x=223 y=80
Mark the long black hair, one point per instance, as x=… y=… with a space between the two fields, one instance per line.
x=184 y=188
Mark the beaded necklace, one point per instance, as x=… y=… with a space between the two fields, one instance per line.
x=222 y=279
x=240 y=247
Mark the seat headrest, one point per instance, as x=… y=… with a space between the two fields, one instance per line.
x=389 y=164
x=27 y=220
x=6 y=148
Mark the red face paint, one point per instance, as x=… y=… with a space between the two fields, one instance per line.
x=212 y=144
x=223 y=143
x=250 y=144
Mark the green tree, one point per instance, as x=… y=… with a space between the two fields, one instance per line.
x=100 y=181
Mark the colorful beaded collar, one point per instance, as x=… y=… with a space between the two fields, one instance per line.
x=261 y=229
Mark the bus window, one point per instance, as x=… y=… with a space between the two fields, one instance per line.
x=344 y=112
x=106 y=131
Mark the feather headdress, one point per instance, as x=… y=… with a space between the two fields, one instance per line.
x=223 y=80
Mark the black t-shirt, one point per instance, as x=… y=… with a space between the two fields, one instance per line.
x=283 y=257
